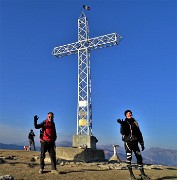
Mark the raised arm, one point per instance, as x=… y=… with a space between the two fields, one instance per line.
x=38 y=126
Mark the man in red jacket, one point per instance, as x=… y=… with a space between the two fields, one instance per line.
x=48 y=137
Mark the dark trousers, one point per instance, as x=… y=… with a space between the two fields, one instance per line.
x=31 y=143
x=130 y=147
x=50 y=147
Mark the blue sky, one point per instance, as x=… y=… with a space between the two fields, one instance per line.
x=138 y=74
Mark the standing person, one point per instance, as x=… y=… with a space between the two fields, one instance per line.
x=48 y=137
x=31 y=136
x=131 y=135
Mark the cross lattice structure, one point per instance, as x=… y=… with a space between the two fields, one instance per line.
x=83 y=47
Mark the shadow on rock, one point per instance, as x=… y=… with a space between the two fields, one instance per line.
x=167 y=177
x=83 y=170
x=171 y=168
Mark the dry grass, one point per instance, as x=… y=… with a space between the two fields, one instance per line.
x=24 y=168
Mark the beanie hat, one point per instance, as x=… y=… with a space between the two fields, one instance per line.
x=127 y=112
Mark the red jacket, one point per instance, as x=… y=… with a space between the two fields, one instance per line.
x=48 y=132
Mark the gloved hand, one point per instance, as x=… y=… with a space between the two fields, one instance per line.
x=120 y=121
x=36 y=118
x=142 y=147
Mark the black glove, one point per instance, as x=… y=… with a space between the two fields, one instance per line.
x=36 y=118
x=142 y=147
x=120 y=121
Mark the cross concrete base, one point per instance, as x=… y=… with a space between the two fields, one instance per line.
x=85 y=141
x=79 y=154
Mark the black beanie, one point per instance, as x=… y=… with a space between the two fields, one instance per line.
x=127 y=112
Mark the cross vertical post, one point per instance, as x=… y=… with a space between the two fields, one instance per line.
x=84 y=109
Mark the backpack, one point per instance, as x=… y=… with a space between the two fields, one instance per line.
x=42 y=130
x=41 y=133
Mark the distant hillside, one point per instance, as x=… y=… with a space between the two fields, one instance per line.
x=10 y=146
x=20 y=147
x=160 y=156
x=14 y=147
x=153 y=155
x=64 y=144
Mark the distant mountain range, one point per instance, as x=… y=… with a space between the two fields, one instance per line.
x=10 y=146
x=154 y=155
x=160 y=156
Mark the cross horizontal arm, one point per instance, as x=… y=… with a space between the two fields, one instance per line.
x=66 y=50
x=93 y=43
x=104 y=41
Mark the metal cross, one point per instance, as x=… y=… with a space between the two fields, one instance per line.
x=83 y=48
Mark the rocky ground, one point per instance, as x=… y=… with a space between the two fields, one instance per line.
x=24 y=165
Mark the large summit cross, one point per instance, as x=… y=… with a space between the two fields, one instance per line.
x=83 y=48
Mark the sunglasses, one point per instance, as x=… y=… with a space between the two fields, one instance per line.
x=49 y=116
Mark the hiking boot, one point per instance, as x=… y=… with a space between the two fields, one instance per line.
x=145 y=177
x=132 y=177
x=55 y=172
x=41 y=171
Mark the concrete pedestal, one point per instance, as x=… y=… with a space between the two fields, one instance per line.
x=86 y=141
x=78 y=154
x=115 y=158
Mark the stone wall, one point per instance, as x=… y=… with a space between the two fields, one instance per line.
x=79 y=154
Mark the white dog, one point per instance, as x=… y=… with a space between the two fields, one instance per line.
x=27 y=148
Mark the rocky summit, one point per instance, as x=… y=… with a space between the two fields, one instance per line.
x=19 y=164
